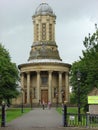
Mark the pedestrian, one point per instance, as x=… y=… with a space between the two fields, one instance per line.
x=49 y=105
x=43 y=105
x=39 y=102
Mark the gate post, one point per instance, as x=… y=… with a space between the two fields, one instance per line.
x=65 y=114
x=3 y=115
x=87 y=119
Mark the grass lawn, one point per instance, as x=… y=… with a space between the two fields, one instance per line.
x=12 y=113
x=69 y=110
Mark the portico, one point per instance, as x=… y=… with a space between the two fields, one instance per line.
x=44 y=83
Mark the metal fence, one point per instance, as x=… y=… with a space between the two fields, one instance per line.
x=86 y=120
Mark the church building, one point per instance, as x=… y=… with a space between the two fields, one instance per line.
x=45 y=77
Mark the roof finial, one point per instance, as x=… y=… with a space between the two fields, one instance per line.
x=43 y=1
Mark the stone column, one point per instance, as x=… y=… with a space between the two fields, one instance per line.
x=22 y=84
x=38 y=85
x=50 y=86
x=22 y=80
x=60 y=86
x=67 y=86
x=28 y=87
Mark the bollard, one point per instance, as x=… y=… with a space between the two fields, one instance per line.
x=3 y=115
x=65 y=114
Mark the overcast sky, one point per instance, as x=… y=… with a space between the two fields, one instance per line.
x=75 y=19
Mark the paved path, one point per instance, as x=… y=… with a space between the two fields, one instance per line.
x=38 y=119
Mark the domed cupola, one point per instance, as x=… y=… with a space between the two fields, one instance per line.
x=44 y=9
x=44 y=45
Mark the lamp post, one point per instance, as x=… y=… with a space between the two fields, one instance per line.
x=78 y=79
x=3 y=115
x=22 y=90
x=2 y=111
x=65 y=114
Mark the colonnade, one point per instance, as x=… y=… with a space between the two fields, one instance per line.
x=60 y=85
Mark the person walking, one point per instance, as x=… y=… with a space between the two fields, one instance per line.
x=43 y=104
x=39 y=103
x=49 y=105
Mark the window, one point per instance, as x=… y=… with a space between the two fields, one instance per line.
x=34 y=92
x=50 y=32
x=55 y=92
x=37 y=33
x=43 y=31
x=44 y=80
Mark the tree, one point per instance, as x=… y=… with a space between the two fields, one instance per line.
x=9 y=76
x=88 y=66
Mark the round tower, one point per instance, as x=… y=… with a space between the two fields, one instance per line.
x=45 y=77
x=44 y=45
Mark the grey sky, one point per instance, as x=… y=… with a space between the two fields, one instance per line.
x=75 y=19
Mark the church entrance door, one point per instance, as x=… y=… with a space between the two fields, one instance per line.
x=44 y=96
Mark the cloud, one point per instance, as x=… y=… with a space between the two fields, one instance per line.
x=75 y=19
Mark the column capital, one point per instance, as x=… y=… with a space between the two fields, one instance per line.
x=28 y=72
x=38 y=71
x=60 y=72
x=50 y=71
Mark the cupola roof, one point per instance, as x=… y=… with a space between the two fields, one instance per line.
x=43 y=9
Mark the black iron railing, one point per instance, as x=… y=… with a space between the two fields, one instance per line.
x=86 y=120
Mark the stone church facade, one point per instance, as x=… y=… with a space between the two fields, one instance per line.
x=45 y=77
